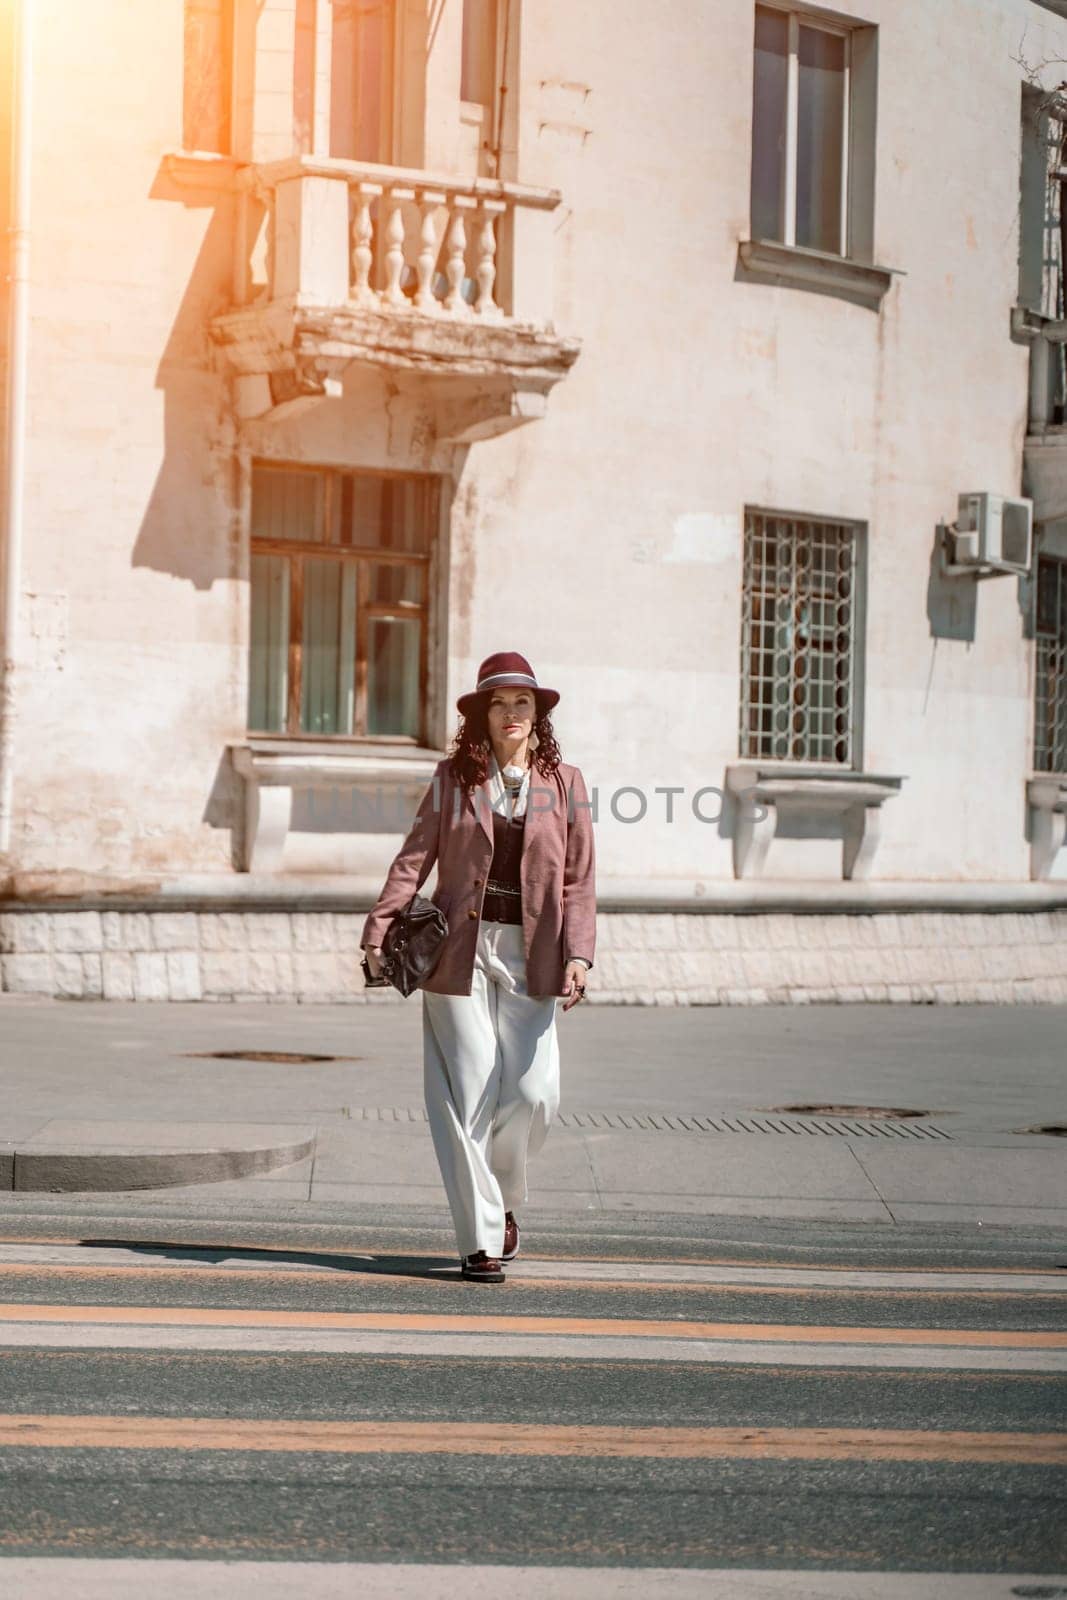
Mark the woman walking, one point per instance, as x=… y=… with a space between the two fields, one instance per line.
x=508 y=824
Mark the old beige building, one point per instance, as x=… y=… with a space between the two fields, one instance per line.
x=708 y=352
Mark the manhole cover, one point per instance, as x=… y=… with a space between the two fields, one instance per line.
x=886 y=1113
x=289 y=1058
x=1053 y=1130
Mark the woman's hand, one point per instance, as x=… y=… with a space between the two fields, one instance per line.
x=574 y=983
x=373 y=953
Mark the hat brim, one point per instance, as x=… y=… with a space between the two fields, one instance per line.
x=544 y=699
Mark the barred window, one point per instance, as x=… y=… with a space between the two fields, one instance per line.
x=800 y=639
x=340 y=601
x=1050 y=699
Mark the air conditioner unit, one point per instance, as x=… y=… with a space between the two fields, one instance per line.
x=994 y=532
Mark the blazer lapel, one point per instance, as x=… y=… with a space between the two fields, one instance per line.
x=478 y=800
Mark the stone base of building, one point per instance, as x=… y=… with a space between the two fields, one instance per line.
x=643 y=957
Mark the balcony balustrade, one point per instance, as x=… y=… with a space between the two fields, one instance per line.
x=340 y=263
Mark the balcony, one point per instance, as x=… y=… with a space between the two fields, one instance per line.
x=436 y=281
x=1045 y=450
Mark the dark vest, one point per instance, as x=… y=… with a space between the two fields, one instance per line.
x=503 y=892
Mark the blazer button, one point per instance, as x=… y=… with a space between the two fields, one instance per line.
x=477 y=883
x=472 y=912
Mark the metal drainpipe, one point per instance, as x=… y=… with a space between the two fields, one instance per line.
x=15 y=420
x=502 y=89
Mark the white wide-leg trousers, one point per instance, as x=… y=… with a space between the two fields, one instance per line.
x=491 y=1079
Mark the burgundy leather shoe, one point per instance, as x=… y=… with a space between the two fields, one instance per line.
x=511 y=1237
x=480 y=1268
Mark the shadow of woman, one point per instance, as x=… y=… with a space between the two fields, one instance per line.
x=427 y=1268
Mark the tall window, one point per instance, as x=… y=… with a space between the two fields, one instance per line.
x=208 y=84
x=361 y=80
x=1050 y=699
x=478 y=80
x=340 y=575
x=800 y=639
x=801 y=126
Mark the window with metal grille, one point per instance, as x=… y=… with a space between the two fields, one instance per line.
x=1050 y=678
x=800 y=639
x=340 y=601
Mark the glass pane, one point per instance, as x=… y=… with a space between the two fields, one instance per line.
x=478 y=73
x=1048 y=596
x=392 y=513
x=268 y=680
x=393 y=676
x=286 y=504
x=389 y=583
x=360 y=68
x=329 y=647
x=820 y=139
x=768 y=123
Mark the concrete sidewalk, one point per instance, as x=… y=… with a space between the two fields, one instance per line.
x=676 y=1111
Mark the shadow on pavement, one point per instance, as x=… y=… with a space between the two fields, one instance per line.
x=388 y=1266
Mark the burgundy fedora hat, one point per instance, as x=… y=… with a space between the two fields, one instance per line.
x=506 y=669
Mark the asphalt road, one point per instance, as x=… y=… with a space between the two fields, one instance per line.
x=672 y=1399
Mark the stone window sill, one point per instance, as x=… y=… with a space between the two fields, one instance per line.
x=273 y=769
x=1046 y=795
x=764 y=788
x=791 y=267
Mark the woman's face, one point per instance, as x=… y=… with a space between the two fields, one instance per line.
x=511 y=716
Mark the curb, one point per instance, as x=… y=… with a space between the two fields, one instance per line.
x=28 y=1166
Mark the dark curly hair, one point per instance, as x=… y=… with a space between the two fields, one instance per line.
x=468 y=755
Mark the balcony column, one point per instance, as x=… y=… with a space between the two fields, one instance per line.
x=430 y=200
x=1039 y=383
x=456 y=267
x=393 y=235
x=485 y=273
x=362 y=245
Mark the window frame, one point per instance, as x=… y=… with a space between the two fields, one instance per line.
x=297 y=551
x=750 y=735
x=797 y=17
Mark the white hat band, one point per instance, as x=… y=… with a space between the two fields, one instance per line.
x=510 y=677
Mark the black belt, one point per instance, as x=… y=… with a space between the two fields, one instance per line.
x=498 y=906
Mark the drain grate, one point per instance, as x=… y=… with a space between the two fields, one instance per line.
x=675 y=1122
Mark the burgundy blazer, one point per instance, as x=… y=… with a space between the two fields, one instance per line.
x=557 y=876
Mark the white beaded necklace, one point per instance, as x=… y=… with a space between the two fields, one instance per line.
x=509 y=787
